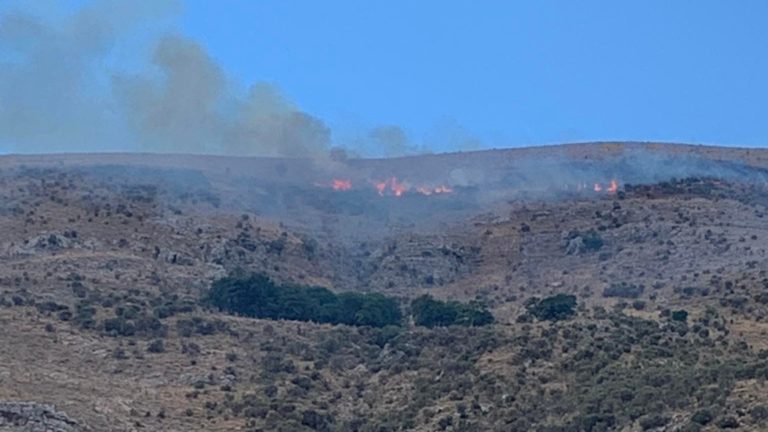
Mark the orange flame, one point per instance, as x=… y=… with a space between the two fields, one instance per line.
x=381 y=187
x=341 y=185
x=399 y=188
x=336 y=184
x=613 y=187
x=393 y=185
x=389 y=187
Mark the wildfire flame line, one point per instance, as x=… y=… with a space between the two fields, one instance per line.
x=341 y=185
x=612 y=187
x=389 y=187
x=392 y=186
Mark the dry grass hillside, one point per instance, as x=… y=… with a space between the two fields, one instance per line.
x=106 y=262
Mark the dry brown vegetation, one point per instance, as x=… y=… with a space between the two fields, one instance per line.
x=102 y=276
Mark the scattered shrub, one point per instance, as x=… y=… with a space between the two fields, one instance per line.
x=200 y=326
x=702 y=417
x=554 y=308
x=653 y=421
x=382 y=336
x=85 y=315
x=728 y=422
x=429 y=312
x=156 y=346
x=624 y=290
x=679 y=315
x=592 y=241
x=583 y=242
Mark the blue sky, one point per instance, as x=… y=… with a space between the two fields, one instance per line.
x=509 y=73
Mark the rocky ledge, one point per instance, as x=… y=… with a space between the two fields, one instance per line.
x=34 y=417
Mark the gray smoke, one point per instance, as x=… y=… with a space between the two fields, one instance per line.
x=65 y=86
x=392 y=141
x=58 y=92
x=49 y=94
x=192 y=109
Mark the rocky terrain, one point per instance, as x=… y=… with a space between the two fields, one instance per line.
x=106 y=261
x=34 y=417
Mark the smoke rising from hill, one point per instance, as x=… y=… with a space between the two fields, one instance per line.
x=193 y=108
x=61 y=90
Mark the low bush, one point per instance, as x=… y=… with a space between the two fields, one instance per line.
x=679 y=315
x=555 y=308
x=429 y=312
x=624 y=290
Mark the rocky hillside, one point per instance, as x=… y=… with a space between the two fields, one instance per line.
x=106 y=263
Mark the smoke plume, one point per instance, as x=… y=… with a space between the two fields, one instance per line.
x=392 y=141
x=61 y=91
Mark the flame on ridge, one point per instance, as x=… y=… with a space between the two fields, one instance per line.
x=341 y=185
x=395 y=187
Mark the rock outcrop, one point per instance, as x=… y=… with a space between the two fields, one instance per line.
x=34 y=417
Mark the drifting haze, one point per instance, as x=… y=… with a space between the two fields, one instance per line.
x=61 y=91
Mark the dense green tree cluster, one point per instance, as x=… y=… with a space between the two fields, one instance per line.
x=429 y=312
x=554 y=308
x=259 y=297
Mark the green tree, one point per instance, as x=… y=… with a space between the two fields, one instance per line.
x=679 y=315
x=429 y=312
x=554 y=308
x=259 y=297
